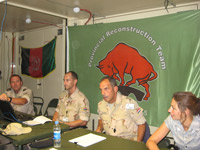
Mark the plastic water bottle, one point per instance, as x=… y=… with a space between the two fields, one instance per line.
x=57 y=135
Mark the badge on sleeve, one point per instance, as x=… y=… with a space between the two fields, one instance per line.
x=138 y=110
x=129 y=106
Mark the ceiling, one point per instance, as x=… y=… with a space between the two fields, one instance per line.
x=51 y=12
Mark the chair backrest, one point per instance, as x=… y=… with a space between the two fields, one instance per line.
x=38 y=105
x=164 y=143
x=52 y=104
x=147 y=133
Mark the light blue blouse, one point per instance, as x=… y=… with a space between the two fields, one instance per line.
x=185 y=140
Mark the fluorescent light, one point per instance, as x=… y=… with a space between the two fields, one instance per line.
x=28 y=20
x=76 y=9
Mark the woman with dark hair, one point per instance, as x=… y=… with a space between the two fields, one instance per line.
x=183 y=122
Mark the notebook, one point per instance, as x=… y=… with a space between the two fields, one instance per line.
x=9 y=114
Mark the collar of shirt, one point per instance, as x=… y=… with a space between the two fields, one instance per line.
x=20 y=91
x=73 y=94
x=195 y=125
x=117 y=103
x=118 y=98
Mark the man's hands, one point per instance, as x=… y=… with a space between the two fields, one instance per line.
x=100 y=126
x=4 y=97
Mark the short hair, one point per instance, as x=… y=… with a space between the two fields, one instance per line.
x=74 y=74
x=16 y=75
x=187 y=100
x=110 y=79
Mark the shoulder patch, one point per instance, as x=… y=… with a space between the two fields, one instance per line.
x=138 y=110
x=9 y=89
x=24 y=89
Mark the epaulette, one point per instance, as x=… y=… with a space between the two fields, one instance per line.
x=9 y=89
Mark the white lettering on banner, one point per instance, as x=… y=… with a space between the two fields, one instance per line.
x=162 y=59
x=134 y=30
x=94 y=50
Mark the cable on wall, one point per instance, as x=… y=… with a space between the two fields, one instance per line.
x=167 y=2
x=77 y=10
x=13 y=54
x=8 y=73
x=90 y=15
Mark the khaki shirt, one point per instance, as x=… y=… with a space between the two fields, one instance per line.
x=23 y=93
x=74 y=107
x=122 y=117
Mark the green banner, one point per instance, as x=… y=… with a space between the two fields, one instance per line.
x=150 y=58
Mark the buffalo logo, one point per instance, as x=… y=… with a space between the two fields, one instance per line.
x=124 y=59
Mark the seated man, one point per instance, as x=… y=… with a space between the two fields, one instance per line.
x=73 y=106
x=20 y=97
x=119 y=115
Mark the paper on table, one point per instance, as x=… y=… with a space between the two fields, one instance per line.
x=37 y=120
x=87 y=140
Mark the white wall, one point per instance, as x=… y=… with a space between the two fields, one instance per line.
x=6 y=51
x=52 y=84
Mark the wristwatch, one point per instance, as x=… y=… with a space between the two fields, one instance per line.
x=10 y=99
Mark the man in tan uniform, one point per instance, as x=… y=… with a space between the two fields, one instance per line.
x=20 y=97
x=73 y=106
x=119 y=115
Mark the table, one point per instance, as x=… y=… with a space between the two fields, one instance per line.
x=111 y=142
x=38 y=132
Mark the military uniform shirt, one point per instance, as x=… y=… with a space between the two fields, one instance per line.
x=185 y=140
x=121 y=119
x=74 y=107
x=23 y=93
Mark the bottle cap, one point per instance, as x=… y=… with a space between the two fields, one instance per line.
x=56 y=122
